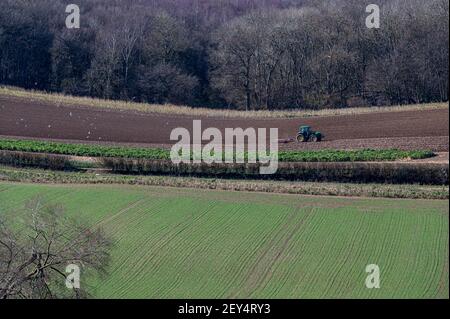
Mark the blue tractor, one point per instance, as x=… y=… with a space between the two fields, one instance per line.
x=305 y=134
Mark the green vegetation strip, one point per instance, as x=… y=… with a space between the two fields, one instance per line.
x=365 y=155
x=29 y=175
x=181 y=243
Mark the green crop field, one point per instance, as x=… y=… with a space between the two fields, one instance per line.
x=182 y=243
x=330 y=155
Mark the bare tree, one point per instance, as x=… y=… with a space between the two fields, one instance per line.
x=130 y=34
x=103 y=76
x=34 y=254
x=234 y=58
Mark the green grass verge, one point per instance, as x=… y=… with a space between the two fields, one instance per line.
x=179 y=243
x=364 y=155
x=30 y=175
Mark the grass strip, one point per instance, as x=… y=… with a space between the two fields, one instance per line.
x=8 y=174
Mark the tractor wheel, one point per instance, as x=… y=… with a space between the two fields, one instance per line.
x=301 y=138
x=314 y=138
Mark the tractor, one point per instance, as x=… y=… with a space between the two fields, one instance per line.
x=305 y=134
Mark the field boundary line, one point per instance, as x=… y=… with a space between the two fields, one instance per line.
x=286 y=188
x=179 y=110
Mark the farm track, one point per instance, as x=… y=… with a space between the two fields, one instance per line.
x=403 y=129
x=263 y=268
x=126 y=209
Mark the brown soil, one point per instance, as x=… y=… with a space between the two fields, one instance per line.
x=428 y=129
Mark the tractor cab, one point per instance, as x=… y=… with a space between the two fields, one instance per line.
x=305 y=130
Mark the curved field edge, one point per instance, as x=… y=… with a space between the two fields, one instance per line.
x=60 y=99
x=326 y=155
x=180 y=243
x=407 y=172
x=9 y=174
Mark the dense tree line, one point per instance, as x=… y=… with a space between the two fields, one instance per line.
x=246 y=54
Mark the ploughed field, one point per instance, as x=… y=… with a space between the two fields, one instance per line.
x=427 y=129
x=178 y=243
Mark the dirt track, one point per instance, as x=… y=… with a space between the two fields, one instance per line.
x=406 y=130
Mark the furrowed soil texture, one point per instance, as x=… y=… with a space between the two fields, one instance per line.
x=406 y=130
x=180 y=243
